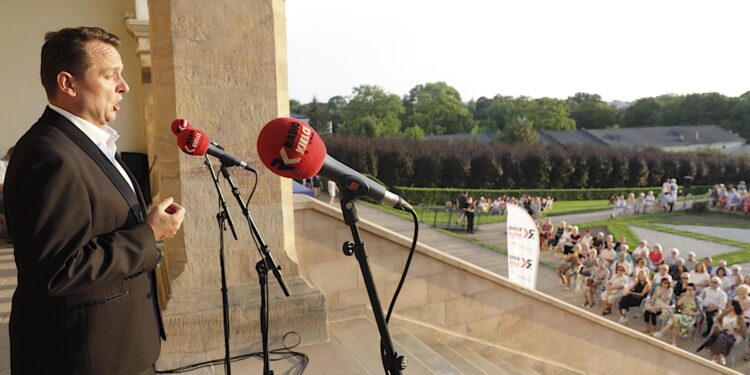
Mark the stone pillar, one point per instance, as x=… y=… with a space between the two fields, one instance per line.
x=223 y=67
x=139 y=29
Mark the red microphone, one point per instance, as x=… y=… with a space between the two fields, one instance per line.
x=291 y=148
x=178 y=125
x=195 y=142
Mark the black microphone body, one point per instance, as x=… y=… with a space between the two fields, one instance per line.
x=355 y=182
x=227 y=159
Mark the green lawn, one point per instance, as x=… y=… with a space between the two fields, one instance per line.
x=620 y=226
x=439 y=216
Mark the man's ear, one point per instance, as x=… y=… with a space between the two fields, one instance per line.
x=66 y=83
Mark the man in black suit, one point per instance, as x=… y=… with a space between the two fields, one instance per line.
x=84 y=246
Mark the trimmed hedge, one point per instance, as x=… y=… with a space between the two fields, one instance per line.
x=461 y=164
x=438 y=196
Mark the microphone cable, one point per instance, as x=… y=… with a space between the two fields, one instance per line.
x=383 y=353
x=282 y=354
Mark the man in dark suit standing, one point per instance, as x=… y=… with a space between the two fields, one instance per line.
x=84 y=246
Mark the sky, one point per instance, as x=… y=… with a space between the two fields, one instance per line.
x=621 y=50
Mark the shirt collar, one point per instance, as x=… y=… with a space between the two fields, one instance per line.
x=98 y=134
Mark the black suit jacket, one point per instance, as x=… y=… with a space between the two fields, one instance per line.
x=86 y=299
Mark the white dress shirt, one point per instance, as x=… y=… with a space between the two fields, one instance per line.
x=103 y=137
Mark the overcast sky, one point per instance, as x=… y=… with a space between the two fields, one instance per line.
x=621 y=50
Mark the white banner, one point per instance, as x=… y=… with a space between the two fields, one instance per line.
x=523 y=247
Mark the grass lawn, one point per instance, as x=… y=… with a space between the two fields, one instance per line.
x=620 y=226
x=437 y=215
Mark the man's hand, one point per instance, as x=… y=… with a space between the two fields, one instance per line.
x=165 y=219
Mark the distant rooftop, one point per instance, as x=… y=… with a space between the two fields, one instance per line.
x=663 y=136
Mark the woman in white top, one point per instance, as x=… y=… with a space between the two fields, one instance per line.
x=726 y=280
x=729 y=328
x=700 y=277
x=649 y=202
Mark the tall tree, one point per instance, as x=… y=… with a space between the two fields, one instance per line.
x=544 y=113
x=437 y=109
x=590 y=112
x=335 y=106
x=520 y=130
x=372 y=112
x=645 y=112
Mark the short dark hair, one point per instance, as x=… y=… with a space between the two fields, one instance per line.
x=65 y=50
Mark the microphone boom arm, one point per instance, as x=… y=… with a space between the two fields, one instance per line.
x=262 y=247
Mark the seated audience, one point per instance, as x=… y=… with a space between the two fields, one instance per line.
x=656 y=256
x=714 y=299
x=614 y=289
x=700 y=277
x=634 y=295
x=681 y=284
x=657 y=304
x=729 y=328
x=686 y=311
x=598 y=278
x=690 y=262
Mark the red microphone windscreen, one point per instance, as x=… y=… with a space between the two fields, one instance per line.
x=179 y=125
x=291 y=148
x=193 y=142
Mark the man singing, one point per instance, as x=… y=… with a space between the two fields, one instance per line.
x=85 y=249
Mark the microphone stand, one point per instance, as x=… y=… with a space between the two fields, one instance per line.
x=392 y=362
x=222 y=218
x=262 y=267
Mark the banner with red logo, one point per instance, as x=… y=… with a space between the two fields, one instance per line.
x=523 y=247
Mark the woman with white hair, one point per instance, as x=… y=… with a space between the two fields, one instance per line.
x=671 y=259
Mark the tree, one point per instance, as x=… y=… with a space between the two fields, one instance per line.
x=536 y=170
x=520 y=130
x=561 y=169
x=590 y=112
x=371 y=112
x=318 y=114
x=545 y=113
x=483 y=172
x=637 y=171
x=437 y=109
x=645 y=112
x=414 y=132
x=335 y=106
x=453 y=172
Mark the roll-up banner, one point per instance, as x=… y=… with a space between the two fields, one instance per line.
x=523 y=247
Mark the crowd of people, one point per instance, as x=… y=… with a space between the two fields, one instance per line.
x=467 y=207
x=684 y=294
x=646 y=203
x=731 y=198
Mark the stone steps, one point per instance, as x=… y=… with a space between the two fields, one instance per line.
x=431 y=351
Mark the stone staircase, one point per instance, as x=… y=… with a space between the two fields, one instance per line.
x=353 y=349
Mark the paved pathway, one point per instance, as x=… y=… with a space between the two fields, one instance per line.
x=734 y=234
x=685 y=244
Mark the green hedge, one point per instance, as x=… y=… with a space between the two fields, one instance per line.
x=438 y=196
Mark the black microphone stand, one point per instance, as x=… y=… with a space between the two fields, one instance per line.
x=262 y=267
x=222 y=218
x=392 y=362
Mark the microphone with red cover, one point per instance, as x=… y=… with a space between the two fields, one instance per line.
x=192 y=141
x=179 y=125
x=291 y=148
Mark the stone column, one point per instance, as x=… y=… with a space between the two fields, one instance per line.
x=138 y=28
x=223 y=67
